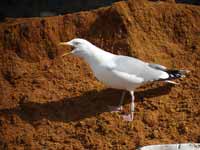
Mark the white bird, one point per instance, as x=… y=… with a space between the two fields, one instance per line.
x=121 y=72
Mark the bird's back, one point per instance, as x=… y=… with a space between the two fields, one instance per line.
x=139 y=68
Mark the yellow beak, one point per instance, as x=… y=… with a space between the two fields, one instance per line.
x=65 y=43
x=66 y=54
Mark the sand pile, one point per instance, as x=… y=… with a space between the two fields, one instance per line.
x=49 y=102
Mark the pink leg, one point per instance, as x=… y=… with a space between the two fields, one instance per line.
x=130 y=116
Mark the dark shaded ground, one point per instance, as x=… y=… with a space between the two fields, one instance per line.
x=88 y=105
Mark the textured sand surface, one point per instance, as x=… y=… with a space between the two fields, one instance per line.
x=50 y=102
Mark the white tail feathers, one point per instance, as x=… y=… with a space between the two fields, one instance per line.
x=172 y=82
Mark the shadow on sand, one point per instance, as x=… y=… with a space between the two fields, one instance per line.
x=76 y=108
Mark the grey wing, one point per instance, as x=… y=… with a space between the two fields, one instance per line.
x=140 y=68
x=157 y=66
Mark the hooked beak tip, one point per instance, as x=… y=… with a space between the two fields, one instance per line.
x=63 y=43
x=66 y=43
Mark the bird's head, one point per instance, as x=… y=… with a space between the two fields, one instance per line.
x=80 y=46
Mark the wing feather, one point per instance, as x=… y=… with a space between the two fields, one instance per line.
x=138 y=68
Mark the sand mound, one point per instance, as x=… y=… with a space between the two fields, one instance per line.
x=49 y=102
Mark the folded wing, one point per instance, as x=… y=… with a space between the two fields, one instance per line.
x=140 y=69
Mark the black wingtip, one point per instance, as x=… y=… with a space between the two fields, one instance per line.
x=174 y=74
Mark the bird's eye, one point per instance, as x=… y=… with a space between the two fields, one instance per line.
x=76 y=43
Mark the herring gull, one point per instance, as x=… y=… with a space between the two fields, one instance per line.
x=121 y=72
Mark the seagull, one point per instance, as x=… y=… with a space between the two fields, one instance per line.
x=121 y=72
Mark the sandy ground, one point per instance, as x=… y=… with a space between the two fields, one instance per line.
x=49 y=102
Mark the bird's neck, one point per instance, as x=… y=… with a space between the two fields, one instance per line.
x=97 y=56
